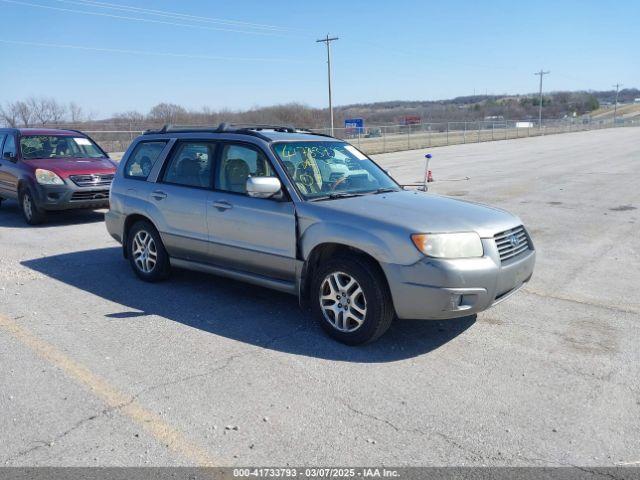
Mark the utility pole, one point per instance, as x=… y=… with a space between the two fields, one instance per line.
x=542 y=73
x=327 y=41
x=615 y=108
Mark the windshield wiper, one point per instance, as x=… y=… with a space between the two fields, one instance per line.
x=334 y=195
x=384 y=190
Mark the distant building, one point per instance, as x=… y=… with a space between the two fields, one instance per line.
x=636 y=100
x=410 y=120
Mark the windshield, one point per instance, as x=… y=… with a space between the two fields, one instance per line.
x=58 y=146
x=331 y=169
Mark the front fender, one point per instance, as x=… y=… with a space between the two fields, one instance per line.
x=355 y=237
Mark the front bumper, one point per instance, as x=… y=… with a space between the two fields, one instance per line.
x=441 y=289
x=70 y=196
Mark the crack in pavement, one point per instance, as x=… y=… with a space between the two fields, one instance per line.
x=595 y=472
x=581 y=302
x=443 y=436
x=56 y=438
x=227 y=361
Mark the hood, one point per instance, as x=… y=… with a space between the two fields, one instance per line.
x=64 y=167
x=419 y=212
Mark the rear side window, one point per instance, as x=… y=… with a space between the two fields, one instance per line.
x=142 y=160
x=190 y=165
x=2 y=135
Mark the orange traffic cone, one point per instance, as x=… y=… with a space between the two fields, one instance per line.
x=429 y=176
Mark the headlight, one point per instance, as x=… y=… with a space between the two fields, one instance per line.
x=47 y=177
x=449 y=245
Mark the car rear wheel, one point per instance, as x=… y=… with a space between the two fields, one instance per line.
x=32 y=214
x=351 y=300
x=146 y=253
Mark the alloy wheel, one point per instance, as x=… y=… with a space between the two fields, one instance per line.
x=145 y=253
x=343 y=302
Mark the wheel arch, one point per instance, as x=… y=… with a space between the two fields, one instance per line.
x=23 y=182
x=322 y=252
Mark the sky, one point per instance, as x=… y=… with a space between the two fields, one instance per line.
x=118 y=55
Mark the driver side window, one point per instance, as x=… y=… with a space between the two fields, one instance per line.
x=9 y=146
x=237 y=163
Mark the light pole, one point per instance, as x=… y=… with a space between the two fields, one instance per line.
x=327 y=41
x=542 y=73
x=615 y=108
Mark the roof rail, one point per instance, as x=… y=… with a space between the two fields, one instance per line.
x=231 y=127
x=169 y=128
x=311 y=132
x=252 y=129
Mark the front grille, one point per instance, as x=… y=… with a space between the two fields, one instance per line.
x=95 y=195
x=94 y=180
x=511 y=242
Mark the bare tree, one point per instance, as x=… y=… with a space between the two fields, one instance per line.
x=9 y=114
x=46 y=110
x=57 y=110
x=133 y=117
x=25 y=114
x=38 y=110
x=168 y=113
x=76 y=114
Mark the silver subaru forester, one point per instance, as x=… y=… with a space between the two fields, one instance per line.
x=311 y=215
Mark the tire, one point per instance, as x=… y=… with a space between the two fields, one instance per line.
x=368 y=313
x=152 y=264
x=32 y=214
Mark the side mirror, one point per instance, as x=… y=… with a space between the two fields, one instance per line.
x=9 y=156
x=263 y=187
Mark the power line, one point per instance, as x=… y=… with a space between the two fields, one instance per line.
x=181 y=16
x=158 y=54
x=147 y=20
x=327 y=41
x=542 y=73
x=615 y=108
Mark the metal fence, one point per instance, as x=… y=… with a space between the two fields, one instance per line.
x=393 y=138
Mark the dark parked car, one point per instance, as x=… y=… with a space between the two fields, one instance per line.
x=48 y=169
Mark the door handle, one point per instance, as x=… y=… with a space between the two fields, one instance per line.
x=222 y=205
x=158 y=195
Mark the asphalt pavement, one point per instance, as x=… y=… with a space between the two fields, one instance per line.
x=99 y=368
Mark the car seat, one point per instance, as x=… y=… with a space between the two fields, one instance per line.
x=145 y=165
x=189 y=172
x=61 y=148
x=236 y=172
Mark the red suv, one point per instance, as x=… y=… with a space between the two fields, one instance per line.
x=48 y=169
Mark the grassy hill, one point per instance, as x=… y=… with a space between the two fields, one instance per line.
x=624 y=111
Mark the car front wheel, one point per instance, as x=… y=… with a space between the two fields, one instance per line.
x=146 y=253
x=32 y=214
x=352 y=301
